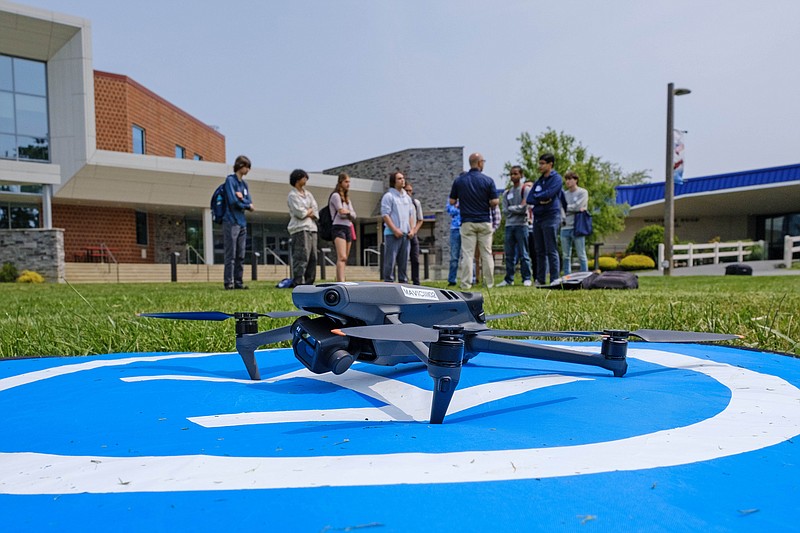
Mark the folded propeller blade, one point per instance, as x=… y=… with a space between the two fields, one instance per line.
x=286 y=314
x=665 y=335
x=392 y=332
x=218 y=315
x=521 y=333
x=190 y=315
x=507 y=315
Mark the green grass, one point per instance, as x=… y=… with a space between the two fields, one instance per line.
x=93 y=319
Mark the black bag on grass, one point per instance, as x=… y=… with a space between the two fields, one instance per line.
x=612 y=280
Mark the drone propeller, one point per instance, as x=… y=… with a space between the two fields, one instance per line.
x=506 y=315
x=665 y=335
x=217 y=315
x=391 y=332
x=414 y=332
x=650 y=335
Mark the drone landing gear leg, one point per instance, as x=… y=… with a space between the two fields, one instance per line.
x=247 y=342
x=445 y=358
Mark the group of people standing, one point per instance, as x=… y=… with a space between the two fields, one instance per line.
x=302 y=227
x=553 y=211
x=537 y=214
x=303 y=217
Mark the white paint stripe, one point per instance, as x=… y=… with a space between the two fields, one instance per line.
x=763 y=411
x=47 y=373
x=464 y=398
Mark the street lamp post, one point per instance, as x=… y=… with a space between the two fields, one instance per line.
x=669 y=182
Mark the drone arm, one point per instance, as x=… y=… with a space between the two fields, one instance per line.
x=247 y=344
x=420 y=348
x=475 y=344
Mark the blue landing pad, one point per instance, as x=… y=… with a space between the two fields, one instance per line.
x=693 y=438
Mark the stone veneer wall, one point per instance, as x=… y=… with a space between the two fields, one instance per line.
x=170 y=237
x=40 y=250
x=431 y=171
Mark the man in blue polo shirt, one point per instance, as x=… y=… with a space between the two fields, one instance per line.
x=476 y=194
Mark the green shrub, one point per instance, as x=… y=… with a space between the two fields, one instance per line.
x=646 y=241
x=607 y=263
x=637 y=262
x=8 y=273
x=29 y=276
x=756 y=253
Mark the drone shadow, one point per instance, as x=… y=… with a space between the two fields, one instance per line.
x=516 y=408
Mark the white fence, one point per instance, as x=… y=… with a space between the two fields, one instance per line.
x=791 y=245
x=688 y=254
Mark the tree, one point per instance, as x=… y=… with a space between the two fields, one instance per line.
x=600 y=178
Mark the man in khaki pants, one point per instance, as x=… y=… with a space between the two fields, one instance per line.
x=476 y=194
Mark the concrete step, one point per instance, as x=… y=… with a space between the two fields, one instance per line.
x=152 y=273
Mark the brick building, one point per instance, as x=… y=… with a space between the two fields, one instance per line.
x=105 y=167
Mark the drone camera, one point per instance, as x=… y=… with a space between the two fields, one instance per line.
x=318 y=348
x=332 y=297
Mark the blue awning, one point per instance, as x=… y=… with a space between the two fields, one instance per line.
x=646 y=193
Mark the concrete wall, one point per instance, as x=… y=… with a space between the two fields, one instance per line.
x=40 y=250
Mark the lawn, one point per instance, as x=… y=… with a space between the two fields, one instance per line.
x=93 y=319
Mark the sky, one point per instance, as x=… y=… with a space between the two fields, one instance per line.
x=315 y=84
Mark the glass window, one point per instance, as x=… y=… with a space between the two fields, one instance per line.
x=35 y=148
x=31 y=115
x=141 y=228
x=24 y=127
x=198 y=157
x=6 y=83
x=8 y=146
x=138 y=140
x=180 y=152
x=6 y=112
x=25 y=188
x=30 y=77
x=4 y=217
x=24 y=216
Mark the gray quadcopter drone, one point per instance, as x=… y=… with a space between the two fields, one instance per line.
x=389 y=324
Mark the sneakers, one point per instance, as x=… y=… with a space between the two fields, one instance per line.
x=527 y=283
x=504 y=284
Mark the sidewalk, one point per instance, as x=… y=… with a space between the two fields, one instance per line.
x=760 y=268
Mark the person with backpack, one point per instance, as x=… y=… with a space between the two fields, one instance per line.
x=303 y=216
x=234 y=224
x=343 y=231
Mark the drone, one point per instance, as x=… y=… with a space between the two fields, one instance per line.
x=388 y=324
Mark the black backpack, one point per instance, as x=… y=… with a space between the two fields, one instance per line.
x=614 y=279
x=219 y=204
x=326 y=223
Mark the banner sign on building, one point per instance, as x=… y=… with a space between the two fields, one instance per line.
x=677 y=169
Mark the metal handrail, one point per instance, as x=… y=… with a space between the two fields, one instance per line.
x=189 y=248
x=368 y=251
x=273 y=254
x=107 y=251
x=328 y=260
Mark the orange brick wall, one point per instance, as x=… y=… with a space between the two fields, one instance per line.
x=120 y=102
x=91 y=226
